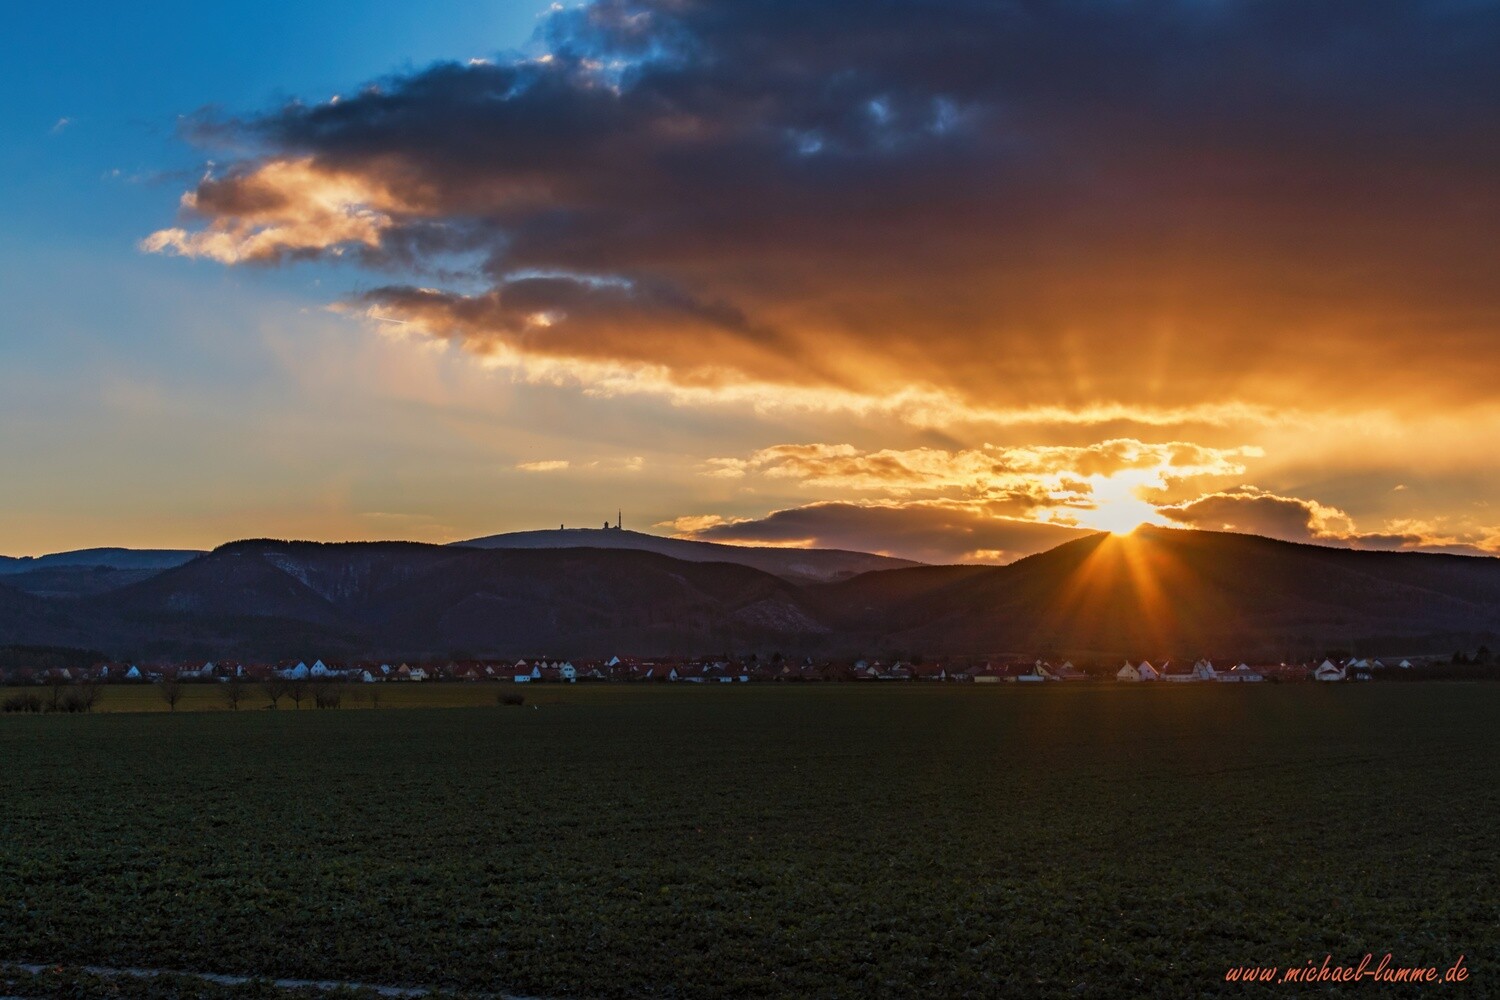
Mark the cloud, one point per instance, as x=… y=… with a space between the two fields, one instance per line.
x=982 y=469
x=1061 y=483
x=59 y=125
x=1295 y=519
x=1153 y=206
x=549 y=465
x=1259 y=513
x=925 y=531
x=945 y=530
x=283 y=208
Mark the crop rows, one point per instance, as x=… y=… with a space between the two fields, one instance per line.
x=776 y=841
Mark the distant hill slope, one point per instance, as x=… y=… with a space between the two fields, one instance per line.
x=268 y=599
x=88 y=571
x=793 y=564
x=110 y=558
x=1154 y=594
x=1168 y=592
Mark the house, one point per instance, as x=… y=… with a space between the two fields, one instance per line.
x=1178 y=674
x=1068 y=672
x=321 y=669
x=1202 y=670
x=1241 y=673
x=417 y=674
x=1327 y=671
x=1127 y=673
x=1149 y=673
x=1036 y=673
x=295 y=673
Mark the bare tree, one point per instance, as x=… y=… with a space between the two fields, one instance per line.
x=55 y=685
x=171 y=692
x=326 y=694
x=297 y=690
x=89 y=693
x=274 y=688
x=234 y=692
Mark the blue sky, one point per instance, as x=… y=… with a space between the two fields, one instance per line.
x=90 y=162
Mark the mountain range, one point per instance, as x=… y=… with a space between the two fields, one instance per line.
x=1156 y=593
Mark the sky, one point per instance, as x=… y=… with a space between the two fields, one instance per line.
x=954 y=281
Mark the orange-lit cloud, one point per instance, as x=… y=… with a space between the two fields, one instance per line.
x=1298 y=520
x=934 y=532
x=282 y=208
x=1087 y=262
x=1099 y=485
x=981 y=469
x=954 y=196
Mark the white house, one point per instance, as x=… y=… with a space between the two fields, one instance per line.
x=1147 y=672
x=297 y=673
x=1127 y=673
x=1241 y=673
x=1328 y=672
x=1192 y=675
x=320 y=669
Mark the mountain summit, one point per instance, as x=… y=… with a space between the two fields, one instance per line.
x=800 y=565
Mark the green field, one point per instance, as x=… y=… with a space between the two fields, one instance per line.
x=823 y=840
x=209 y=697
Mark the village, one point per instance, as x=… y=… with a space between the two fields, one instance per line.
x=775 y=669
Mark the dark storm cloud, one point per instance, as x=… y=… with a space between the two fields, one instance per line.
x=926 y=532
x=1096 y=201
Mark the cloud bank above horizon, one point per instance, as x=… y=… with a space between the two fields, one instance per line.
x=976 y=275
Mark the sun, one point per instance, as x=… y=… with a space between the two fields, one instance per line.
x=1117 y=507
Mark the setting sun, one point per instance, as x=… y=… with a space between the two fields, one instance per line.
x=1118 y=508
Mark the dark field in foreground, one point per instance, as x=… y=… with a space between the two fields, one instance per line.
x=763 y=841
